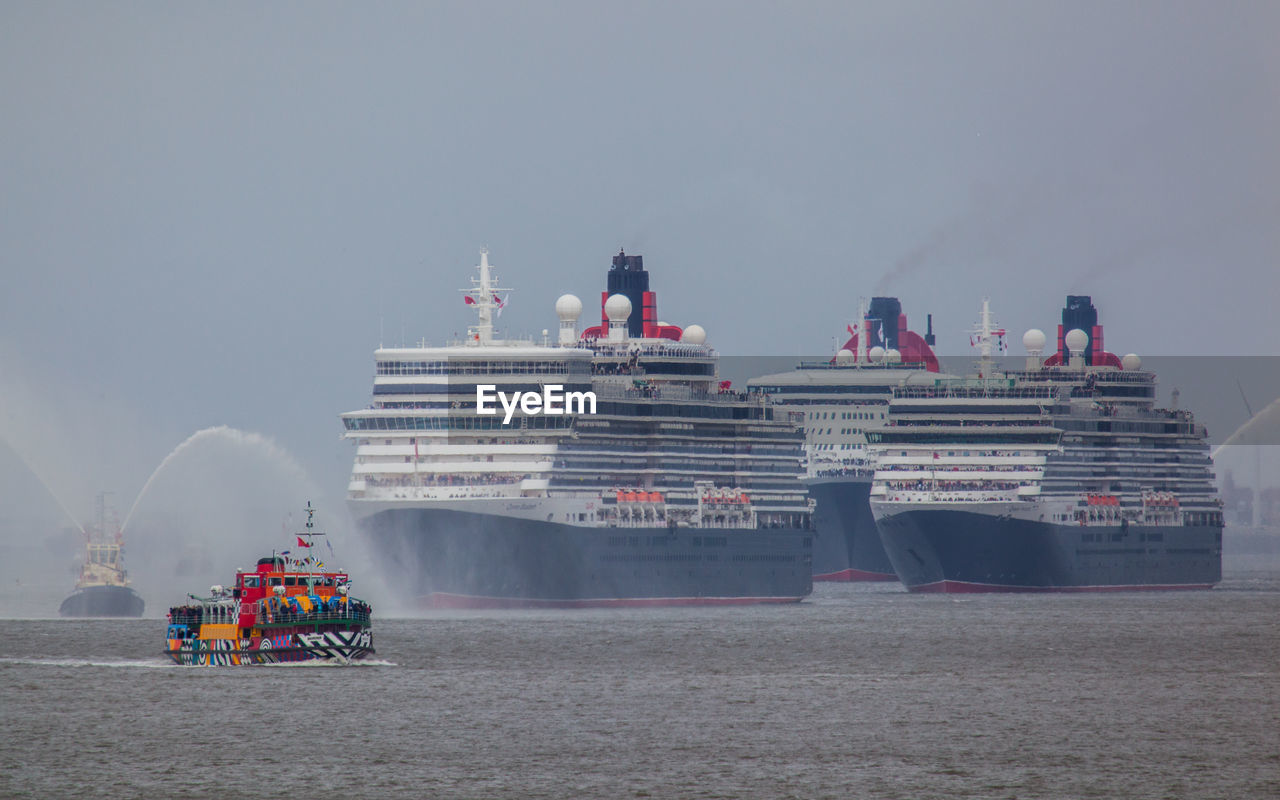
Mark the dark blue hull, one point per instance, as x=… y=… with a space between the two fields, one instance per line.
x=847 y=545
x=443 y=557
x=103 y=601
x=948 y=550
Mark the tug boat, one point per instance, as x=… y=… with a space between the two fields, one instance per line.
x=103 y=590
x=289 y=608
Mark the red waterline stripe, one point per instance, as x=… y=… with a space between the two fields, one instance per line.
x=852 y=575
x=966 y=587
x=448 y=600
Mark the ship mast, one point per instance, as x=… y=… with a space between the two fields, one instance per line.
x=483 y=295
x=310 y=533
x=984 y=335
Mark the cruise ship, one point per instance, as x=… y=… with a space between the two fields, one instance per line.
x=1063 y=476
x=667 y=489
x=838 y=400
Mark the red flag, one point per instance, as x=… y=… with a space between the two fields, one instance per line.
x=468 y=299
x=301 y=543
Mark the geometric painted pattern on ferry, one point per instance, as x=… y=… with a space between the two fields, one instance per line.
x=213 y=652
x=337 y=644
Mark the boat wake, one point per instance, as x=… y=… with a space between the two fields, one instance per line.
x=82 y=662
x=327 y=664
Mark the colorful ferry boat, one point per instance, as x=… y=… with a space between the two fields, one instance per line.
x=289 y=608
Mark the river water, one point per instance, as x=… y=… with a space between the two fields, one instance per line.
x=861 y=691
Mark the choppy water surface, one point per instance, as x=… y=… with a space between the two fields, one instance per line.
x=860 y=691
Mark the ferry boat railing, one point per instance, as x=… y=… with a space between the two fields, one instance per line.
x=195 y=615
x=351 y=611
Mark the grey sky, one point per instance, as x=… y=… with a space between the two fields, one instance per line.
x=210 y=211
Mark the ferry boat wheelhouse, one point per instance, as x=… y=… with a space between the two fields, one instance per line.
x=1063 y=476
x=625 y=503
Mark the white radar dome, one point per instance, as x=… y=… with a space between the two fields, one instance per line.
x=892 y=356
x=1131 y=361
x=617 y=308
x=1034 y=340
x=1077 y=340
x=845 y=356
x=568 y=307
x=876 y=354
x=694 y=334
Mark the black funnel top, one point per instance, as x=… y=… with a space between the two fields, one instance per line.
x=886 y=310
x=1081 y=314
x=628 y=277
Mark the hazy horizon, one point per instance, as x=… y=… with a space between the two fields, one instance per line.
x=214 y=214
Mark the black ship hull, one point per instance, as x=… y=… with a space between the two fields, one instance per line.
x=948 y=550
x=847 y=545
x=103 y=601
x=448 y=558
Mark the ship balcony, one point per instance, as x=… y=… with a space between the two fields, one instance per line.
x=411 y=492
x=891 y=495
x=982 y=459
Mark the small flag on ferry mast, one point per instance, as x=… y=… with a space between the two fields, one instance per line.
x=302 y=543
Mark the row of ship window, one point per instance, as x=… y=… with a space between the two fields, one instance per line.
x=460 y=423
x=468 y=367
x=467 y=389
x=836 y=389
x=754 y=484
x=649 y=447
x=1026 y=436
x=844 y=415
x=843 y=431
x=754 y=465
x=982 y=453
x=670 y=464
x=963 y=468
